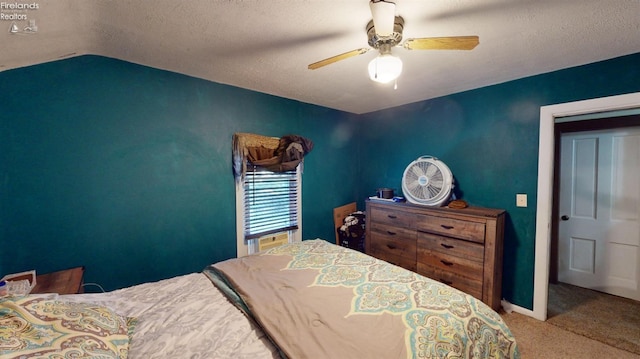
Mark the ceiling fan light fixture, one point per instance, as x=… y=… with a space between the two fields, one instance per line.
x=384 y=13
x=385 y=68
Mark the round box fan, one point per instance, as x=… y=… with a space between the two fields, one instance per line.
x=427 y=181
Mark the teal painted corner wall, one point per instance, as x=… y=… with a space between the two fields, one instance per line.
x=127 y=169
x=489 y=139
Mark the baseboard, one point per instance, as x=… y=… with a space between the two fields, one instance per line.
x=509 y=307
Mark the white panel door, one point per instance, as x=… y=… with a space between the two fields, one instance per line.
x=599 y=228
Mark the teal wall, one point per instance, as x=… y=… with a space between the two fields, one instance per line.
x=489 y=139
x=127 y=169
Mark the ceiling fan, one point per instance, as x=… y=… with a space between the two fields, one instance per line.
x=384 y=32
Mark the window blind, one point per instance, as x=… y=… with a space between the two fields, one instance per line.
x=271 y=202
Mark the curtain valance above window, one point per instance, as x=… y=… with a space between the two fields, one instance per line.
x=271 y=153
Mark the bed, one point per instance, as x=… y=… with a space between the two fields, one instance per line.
x=311 y=299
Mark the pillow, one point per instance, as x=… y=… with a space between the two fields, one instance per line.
x=34 y=327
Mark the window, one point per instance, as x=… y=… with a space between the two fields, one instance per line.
x=267 y=203
x=270 y=202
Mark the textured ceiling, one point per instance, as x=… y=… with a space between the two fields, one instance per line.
x=266 y=45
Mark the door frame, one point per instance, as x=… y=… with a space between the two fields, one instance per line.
x=546 y=161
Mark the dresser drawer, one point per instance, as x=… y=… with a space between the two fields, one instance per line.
x=392 y=217
x=392 y=231
x=394 y=258
x=401 y=246
x=459 y=265
x=450 y=246
x=471 y=286
x=472 y=231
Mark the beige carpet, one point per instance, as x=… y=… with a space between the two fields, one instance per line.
x=606 y=318
x=541 y=340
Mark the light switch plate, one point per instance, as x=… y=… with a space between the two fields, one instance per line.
x=521 y=200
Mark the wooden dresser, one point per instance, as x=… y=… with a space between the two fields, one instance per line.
x=459 y=247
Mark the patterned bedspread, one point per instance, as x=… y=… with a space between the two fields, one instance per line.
x=180 y=317
x=318 y=300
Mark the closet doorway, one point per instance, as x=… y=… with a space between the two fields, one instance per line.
x=544 y=266
x=596 y=221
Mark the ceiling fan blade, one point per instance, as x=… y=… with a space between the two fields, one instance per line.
x=442 y=43
x=337 y=58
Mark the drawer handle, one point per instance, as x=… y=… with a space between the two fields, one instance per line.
x=391 y=216
x=446 y=227
x=447 y=282
x=391 y=233
x=447 y=246
x=391 y=246
x=446 y=263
